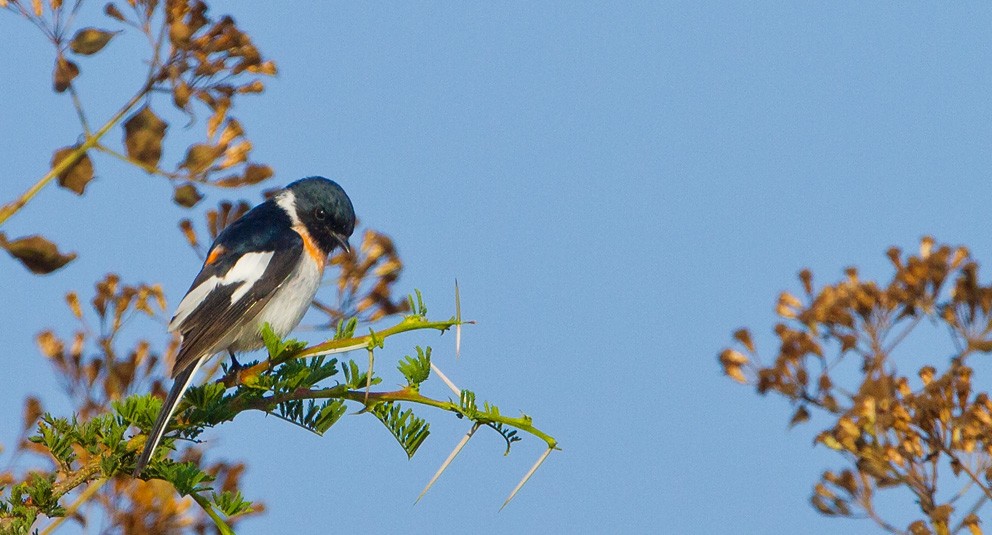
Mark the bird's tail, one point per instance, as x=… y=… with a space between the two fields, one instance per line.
x=179 y=387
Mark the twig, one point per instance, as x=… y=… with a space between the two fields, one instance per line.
x=91 y=141
x=409 y=395
x=331 y=347
x=76 y=103
x=222 y=526
x=146 y=167
x=84 y=497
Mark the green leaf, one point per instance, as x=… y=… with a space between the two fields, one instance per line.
x=409 y=430
x=321 y=416
x=418 y=308
x=273 y=344
x=186 y=477
x=346 y=329
x=208 y=405
x=137 y=410
x=354 y=378
x=231 y=503
x=508 y=433
x=416 y=370
x=467 y=403
x=279 y=349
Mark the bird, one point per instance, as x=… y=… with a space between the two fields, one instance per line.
x=264 y=268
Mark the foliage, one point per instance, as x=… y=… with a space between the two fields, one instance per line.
x=196 y=64
x=289 y=384
x=922 y=427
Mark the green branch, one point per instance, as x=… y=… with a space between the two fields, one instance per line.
x=344 y=345
x=523 y=423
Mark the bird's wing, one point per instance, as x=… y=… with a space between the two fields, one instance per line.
x=244 y=267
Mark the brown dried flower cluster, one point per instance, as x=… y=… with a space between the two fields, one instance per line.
x=894 y=429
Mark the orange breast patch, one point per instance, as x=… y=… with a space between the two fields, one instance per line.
x=310 y=245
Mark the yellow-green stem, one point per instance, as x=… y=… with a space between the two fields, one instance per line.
x=83 y=498
x=13 y=207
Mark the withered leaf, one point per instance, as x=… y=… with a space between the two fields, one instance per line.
x=972 y=521
x=744 y=337
x=255 y=86
x=801 y=415
x=179 y=34
x=77 y=175
x=254 y=173
x=50 y=345
x=187 y=196
x=985 y=346
x=65 y=72
x=143 y=133
x=72 y=299
x=111 y=11
x=200 y=157
x=180 y=94
x=88 y=41
x=187 y=227
x=266 y=67
x=36 y=253
x=32 y=411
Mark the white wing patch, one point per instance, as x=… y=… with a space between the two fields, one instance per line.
x=192 y=300
x=247 y=271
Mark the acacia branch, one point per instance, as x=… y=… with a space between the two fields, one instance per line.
x=410 y=395
x=344 y=345
x=88 y=472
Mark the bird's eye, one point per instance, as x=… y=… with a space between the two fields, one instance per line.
x=320 y=214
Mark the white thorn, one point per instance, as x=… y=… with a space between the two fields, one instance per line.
x=526 y=477
x=455 y=389
x=458 y=327
x=368 y=378
x=451 y=457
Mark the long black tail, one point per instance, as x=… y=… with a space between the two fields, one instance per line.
x=179 y=387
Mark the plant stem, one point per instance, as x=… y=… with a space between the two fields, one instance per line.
x=409 y=395
x=83 y=498
x=222 y=526
x=148 y=168
x=409 y=323
x=91 y=141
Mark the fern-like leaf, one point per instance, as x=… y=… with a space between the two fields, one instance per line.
x=409 y=430
x=416 y=370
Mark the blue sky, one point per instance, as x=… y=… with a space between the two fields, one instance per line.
x=616 y=189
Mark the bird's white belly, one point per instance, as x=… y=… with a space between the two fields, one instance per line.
x=285 y=309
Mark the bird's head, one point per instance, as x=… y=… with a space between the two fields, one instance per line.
x=326 y=211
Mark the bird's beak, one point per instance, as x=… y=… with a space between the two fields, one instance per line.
x=343 y=242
